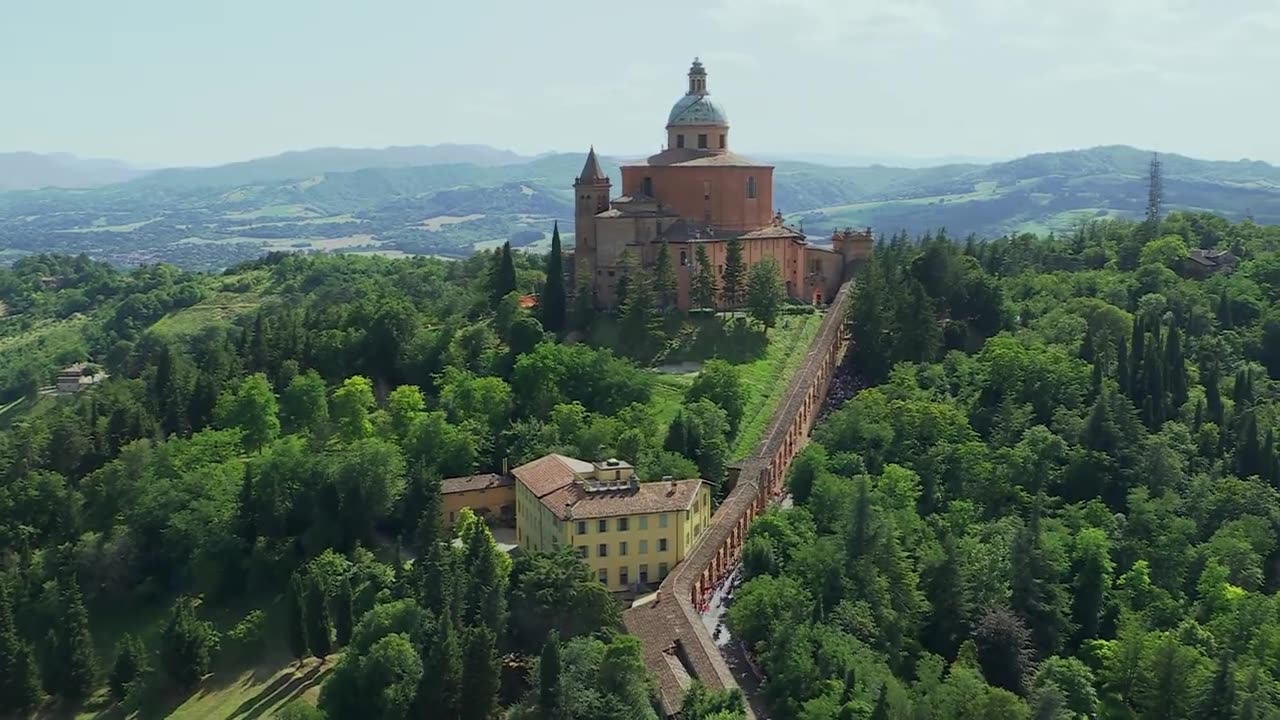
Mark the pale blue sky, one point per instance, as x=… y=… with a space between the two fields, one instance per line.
x=208 y=81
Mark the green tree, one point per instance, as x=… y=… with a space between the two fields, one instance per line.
x=503 y=279
x=480 y=681
x=552 y=303
x=765 y=293
x=721 y=383
x=1219 y=703
x=187 y=644
x=805 y=470
x=550 y=692
x=702 y=291
x=734 y=277
x=130 y=665
x=304 y=406
x=73 y=666
x=1036 y=594
x=252 y=408
x=352 y=404
x=296 y=615
x=664 y=279
x=342 y=615
x=19 y=675
x=584 y=304
x=950 y=611
x=1093 y=575
x=703 y=704
x=319 y=626
x=439 y=693
x=484 y=582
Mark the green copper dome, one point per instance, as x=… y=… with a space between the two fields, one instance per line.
x=697 y=110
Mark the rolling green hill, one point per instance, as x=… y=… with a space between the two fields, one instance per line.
x=416 y=201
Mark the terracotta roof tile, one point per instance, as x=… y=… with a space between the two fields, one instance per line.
x=574 y=501
x=550 y=473
x=474 y=482
x=690 y=156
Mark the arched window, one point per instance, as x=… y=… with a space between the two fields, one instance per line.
x=680 y=140
x=751 y=187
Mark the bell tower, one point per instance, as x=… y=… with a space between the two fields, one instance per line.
x=591 y=192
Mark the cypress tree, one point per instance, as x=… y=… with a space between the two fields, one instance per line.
x=1036 y=596
x=881 y=711
x=735 y=274
x=1219 y=703
x=480 y=681
x=1122 y=367
x=1213 y=393
x=1267 y=462
x=1242 y=393
x=859 y=540
x=319 y=627
x=503 y=280
x=297 y=617
x=440 y=689
x=130 y=664
x=552 y=303
x=703 y=290
x=187 y=644
x=483 y=601
x=1175 y=369
x=342 y=618
x=550 y=694
x=1137 y=355
x=1248 y=453
x=19 y=675
x=949 y=610
x=664 y=279
x=73 y=664
x=1197 y=421
x=1154 y=378
x=246 y=523
x=1224 y=310
x=1087 y=351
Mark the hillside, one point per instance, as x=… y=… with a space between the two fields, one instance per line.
x=419 y=201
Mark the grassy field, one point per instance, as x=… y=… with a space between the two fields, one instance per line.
x=766 y=378
x=766 y=362
x=245 y=684
x=232 y=297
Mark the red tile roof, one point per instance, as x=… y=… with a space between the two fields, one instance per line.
x=574 y=501
x=550 y=473
x=474 y=482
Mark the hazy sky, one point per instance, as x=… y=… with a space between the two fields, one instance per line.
x=208 y=81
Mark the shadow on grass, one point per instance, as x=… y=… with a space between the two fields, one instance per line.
x=694 y=338
x=281 y=691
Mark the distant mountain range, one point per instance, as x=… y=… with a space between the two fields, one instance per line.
x=453 y=199
x=26 y=170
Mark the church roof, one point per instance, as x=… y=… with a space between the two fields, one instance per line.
x=697 y=110
x=591 y=171
x=690 y=157
x=773 y=231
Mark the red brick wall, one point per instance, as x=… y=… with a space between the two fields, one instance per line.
x=683 y=189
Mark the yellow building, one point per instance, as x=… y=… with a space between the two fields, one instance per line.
x=631 y=534
x=490 y=496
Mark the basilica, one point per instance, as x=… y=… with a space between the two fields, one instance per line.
x=699 y=193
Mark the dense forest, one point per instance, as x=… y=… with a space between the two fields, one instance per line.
x=1055 y=496
x=280 y=473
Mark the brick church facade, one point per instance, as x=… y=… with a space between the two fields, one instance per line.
x=698 y=193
